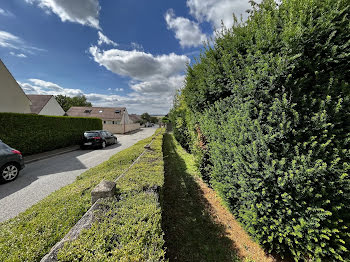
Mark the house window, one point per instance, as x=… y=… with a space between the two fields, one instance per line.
x=113 y=122
x=88 y=111
x=100 y=111
x=117 y=111
x=104 y=122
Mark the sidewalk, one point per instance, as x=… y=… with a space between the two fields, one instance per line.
x=47 y=154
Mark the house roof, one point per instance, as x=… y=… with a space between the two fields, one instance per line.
x=38 y=102
x=135 y=117
x=2 y=65
x=106 y=113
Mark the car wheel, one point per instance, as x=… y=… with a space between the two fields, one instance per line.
x=9 y=172
x=103 y=145
x=115 y=141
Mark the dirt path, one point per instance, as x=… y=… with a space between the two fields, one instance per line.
x=197 y=227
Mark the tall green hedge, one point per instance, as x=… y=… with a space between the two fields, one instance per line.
x=35 y=133
x=270 y=101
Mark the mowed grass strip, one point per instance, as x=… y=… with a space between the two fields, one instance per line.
x=30 y=235
x=130 y=229
x=191 y=234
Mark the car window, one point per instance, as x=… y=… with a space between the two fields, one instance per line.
x=91 y=134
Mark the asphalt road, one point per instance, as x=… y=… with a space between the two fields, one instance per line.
x=38 y=179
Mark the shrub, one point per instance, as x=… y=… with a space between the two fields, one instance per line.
x=130 y=229
x=272 y=100
x=36 y=133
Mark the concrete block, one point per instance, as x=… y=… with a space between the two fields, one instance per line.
x=103 y=190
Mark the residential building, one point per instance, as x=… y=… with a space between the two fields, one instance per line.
x=114 y=119
x=12 y=97
x=135 y=118
x=45 y=105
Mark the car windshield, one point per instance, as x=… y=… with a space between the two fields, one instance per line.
x=3 y=146
x=91 y=134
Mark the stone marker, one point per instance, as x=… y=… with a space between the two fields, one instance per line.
x=84 y=223
x=103 y=190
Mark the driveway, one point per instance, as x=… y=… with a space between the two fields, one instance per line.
x=38 y=179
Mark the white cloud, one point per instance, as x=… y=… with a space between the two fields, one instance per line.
x=6 y=13
x=215 y=11
x=186 y=31
x=139 y=65
x=102 y=39
x=8 y=40
x=38 y=86
x=136 y=46
x=157 y=86
x=18 y=55
x=153 y=78
x=135 y=102
x=85 y=12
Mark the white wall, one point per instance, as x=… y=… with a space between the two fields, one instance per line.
x=52 y=108
x=119 y=129
x=126 y=117
x=12 y=97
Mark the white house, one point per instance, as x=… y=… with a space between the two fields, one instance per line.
x=114 y=119
x=12 y=97
x=45 y=105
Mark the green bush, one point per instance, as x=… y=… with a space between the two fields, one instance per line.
x=272 y=100
x=36 y=133
x=131 y=228
x=31 y=234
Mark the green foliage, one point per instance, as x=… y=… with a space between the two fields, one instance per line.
x=154 y=120
x=35 y=133
x=145 y=117
x=165 y=119
x=270 y=101
x=131 y=228
x=31 y=234
x=67 y=102
x=191 y=233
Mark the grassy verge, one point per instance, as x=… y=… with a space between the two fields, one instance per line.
x=191 y=234
x=30 y=235
x=130 y=230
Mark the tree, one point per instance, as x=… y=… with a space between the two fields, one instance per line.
x=145 y=118
x=154 y=120
x=67 y=102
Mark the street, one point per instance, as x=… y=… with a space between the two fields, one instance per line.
x=38 y=179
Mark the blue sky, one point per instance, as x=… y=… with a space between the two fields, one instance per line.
x=117 y=53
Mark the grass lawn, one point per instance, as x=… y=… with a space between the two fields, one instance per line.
x=191 y=234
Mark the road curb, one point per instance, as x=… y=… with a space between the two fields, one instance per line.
x=49 y=155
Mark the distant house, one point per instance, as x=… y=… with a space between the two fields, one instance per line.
x=12 y=97
x=45 y=105
x=135 y=118
x=114 y=119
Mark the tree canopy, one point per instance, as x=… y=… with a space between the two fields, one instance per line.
x=67 y=102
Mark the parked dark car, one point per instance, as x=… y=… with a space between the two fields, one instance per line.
x=97 y=139
x=11 y=162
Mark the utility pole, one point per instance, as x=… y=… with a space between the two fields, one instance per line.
x=124 y=121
